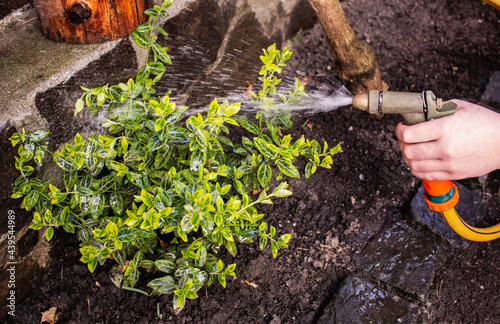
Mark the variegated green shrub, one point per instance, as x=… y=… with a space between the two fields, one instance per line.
x=156 y=173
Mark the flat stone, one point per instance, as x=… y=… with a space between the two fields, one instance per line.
x=360 y=301
x=470 y=207
x=403 y=257
x=491 y=94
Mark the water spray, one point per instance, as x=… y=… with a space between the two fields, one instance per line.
x=441 y=196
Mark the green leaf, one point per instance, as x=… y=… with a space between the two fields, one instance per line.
x=222 y=279
x=143 y=28
x=286 y=154
x=161 y=31
x=38 y=135
x=147 y=198
x=264 y=174
x=111 y=231
x=202 y=256
x=274 y=249
x=39 y=155
x=91 y=265
x=179 y=302
x=57 y=198
x=79 y=106
x=161 y=53
x=159 y=124
x=262 y=242
x=79 y=161
x=230 y=269
x=262 y=147
x=238 y=185
x=212 y=108
x=156 y=68
x=97 y=203
x=154 y=143
x=140 y=39
x=49 y=233
x=231 y=247
x=31 y=199
x=198 y=159
x=105 y=252
x=310 y=169
x=16 y=138
x=315 y=148
x=166 y=266
x=218 y=219
x=224 y=190
x=191 y=295
x=283 y=240
x=288 y=169
x=250 y=126
x=163 y=285
x=192 y=123
x=182 y=234
x=69 y=228
x=64 y=163
x=220 y=266
x=227 y=233
x=27 y=151
x=327 y=161
x=281 y=191
x=151 y=12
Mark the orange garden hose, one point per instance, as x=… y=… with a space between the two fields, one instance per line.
x=442 y=196
x=493 y=3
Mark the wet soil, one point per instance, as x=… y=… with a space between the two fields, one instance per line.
x=450 y=47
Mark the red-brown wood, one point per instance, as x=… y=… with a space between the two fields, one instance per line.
x=89 y=21
x=355 y=62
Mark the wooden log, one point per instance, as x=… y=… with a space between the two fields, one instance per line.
x=89 y=21
x=355 y=62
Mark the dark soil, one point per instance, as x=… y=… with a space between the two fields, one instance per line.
x=450 y=47
x=7 y=6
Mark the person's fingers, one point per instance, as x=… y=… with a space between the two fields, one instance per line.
x=438 y=176
x=421 y=151
x=423 y=132
x=429 y=166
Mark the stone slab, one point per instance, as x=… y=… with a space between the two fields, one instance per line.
x=360 y=301
x=470 y=207
x=403 y=257
x=491 y=94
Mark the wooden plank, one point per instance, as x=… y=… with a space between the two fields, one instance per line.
x=89 y=21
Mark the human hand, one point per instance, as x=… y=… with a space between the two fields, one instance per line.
x=463 y=145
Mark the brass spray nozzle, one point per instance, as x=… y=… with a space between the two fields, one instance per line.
x=360 y=101
x=413 y=107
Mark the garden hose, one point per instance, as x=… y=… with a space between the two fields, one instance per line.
x=441 y=196
x=493 y=3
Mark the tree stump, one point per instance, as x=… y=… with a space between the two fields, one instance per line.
x=89 y=21
x=355 y=62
